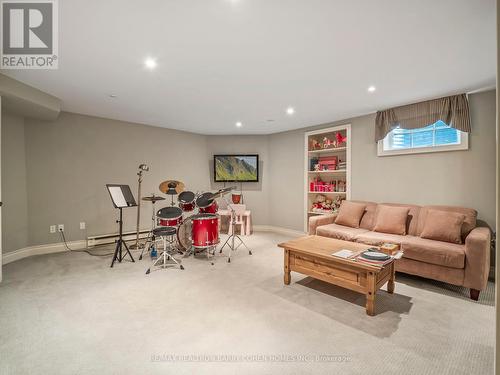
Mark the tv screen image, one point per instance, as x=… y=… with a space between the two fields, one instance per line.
x=236 y=168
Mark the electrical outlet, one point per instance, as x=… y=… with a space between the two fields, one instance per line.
x=82 y=225
x=60 y=227
x=52 y=229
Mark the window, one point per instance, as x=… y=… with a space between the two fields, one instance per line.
x=432 y=138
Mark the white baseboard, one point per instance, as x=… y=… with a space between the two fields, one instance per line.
x=25 y=252
x=77 y=245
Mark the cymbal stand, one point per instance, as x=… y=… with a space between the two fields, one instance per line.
x=233 y=236
x=151 y=237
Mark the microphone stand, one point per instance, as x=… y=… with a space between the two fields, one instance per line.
x=233 y=235
x=136 y=245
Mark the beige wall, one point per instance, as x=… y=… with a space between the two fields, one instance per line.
x=71 y=159
x=464 y=178
x=14 y=192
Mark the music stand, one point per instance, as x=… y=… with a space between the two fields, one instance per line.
x=122 y=197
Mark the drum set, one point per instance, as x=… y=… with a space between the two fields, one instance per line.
x=189 y=227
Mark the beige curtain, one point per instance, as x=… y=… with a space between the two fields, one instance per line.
x=453 y=110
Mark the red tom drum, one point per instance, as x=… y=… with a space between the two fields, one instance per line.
x=207 y=204
x=204 y=230
x=169 y=216
x=212 y=208
x=186 y=201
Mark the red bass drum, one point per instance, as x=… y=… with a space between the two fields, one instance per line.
x=205 y=230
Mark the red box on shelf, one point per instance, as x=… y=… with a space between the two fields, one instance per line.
x=328 y=162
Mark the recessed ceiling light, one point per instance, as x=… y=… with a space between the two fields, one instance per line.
x=371 y=89
x=113 y=96
x=239 y=124
x=150 y=63
x=290 y=110
x=270 y=120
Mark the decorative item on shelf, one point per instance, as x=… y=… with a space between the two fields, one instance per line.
x=337 y=203
x=312 y=163
x=328 y=143
x=341 y=185
x=328 y=163
x=315 y=145
x=322 y=204
x=318 y=185
x=341 y=140
x=342 y=164
x=317 y=167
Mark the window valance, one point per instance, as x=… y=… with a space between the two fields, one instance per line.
x=453 y=110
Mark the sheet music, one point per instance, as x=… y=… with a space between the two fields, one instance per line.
x=117 y=195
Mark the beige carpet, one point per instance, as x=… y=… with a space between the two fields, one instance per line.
x=69 y=313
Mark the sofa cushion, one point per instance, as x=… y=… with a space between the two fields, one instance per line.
x=339 y=232
x=350 y=214
x=391 y=219
x=443 y=226
x=468 y=225
x=368 y=218
x=377 y=238
x=413 y=215
x=434 y=252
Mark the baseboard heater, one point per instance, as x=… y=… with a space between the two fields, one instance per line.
x=106 y=239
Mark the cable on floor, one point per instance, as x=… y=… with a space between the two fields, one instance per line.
x=86 y=250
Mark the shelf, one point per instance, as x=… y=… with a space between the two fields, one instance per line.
x=328 y=150
x=327 y=192
x=336 y=171
x=319 y=213
x=342 y=175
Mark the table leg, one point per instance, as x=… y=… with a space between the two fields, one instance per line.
x=287 y=276
x=370 y=294
x=391 y=283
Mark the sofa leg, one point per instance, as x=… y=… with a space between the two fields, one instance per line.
x=474 y=294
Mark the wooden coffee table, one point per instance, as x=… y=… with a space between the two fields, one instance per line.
x=311 y=256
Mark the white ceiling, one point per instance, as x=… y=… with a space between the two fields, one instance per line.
x=223 y=61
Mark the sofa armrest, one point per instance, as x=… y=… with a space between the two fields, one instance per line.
x=477 y=258
x=316 y=221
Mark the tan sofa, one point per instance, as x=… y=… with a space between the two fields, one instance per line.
x=465 y=264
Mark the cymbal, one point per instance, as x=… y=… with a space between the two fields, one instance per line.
x=172 y=187
x=224 y=191
x=153 y=198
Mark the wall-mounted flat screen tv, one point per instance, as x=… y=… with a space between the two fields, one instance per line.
x=236 y=168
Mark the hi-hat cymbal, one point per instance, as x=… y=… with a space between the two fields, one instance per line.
x=172 y=187
x=153 y=198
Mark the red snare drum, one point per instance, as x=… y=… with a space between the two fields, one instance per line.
x=186 y=201
x=207 y=204
x=205 y=230
x=169 y=216
x=212 y=208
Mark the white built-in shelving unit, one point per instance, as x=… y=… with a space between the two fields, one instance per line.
x=343 y=153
